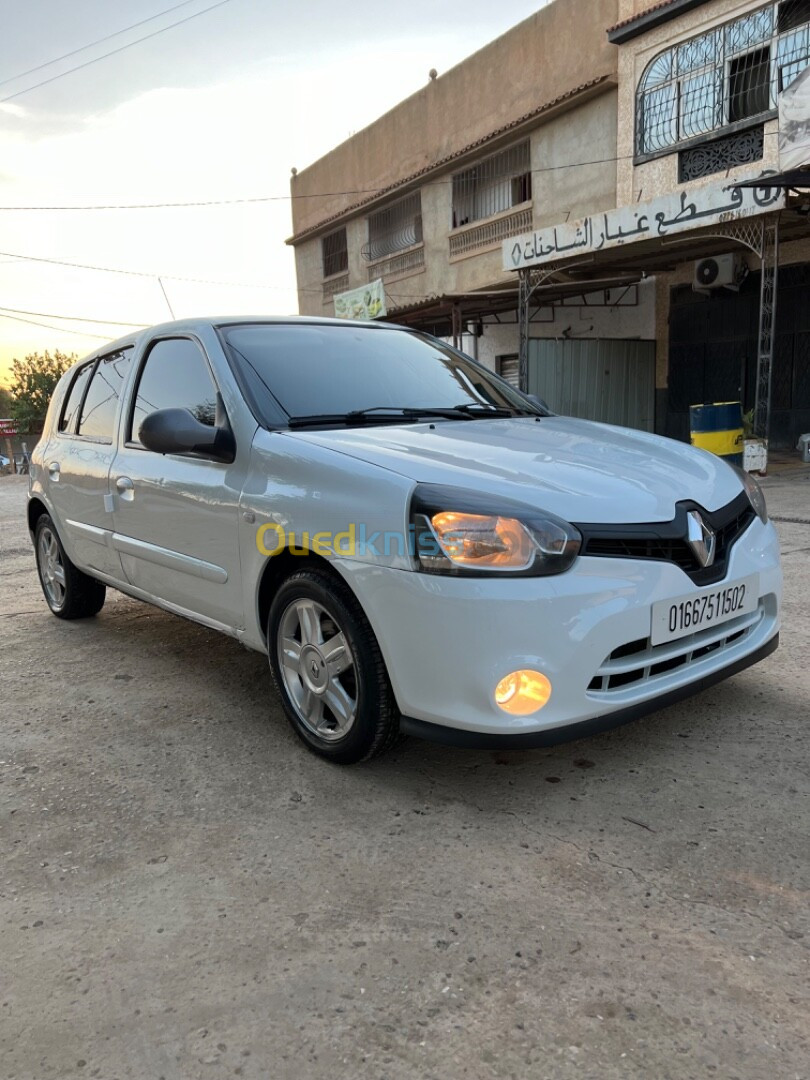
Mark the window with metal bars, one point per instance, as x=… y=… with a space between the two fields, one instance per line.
x=395 y=227
x=335 y=253
x=792 y=14
x=495 y=184
x=749 y=85
x=726 y=76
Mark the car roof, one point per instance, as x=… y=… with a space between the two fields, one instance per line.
x=215 y=322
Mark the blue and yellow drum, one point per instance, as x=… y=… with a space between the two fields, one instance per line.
x=718 y=428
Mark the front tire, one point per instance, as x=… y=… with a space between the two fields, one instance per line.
x=69 y=593
x=328 y=669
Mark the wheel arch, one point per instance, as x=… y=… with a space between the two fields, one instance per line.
x=280 y=567
x=36 y=508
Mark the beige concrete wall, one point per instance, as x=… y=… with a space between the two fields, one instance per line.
x=548 y=55
x=563 y=186
x=585 y=134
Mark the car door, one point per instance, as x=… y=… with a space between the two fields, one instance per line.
x=78 y=460
x=176 y=515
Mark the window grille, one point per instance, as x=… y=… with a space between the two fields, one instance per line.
x=726 y=76
x=792 y=14
x=495 y=184
x=335 y=253
x=749 y=85
x=395 y=228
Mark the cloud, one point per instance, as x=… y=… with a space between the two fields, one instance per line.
x=237 y=137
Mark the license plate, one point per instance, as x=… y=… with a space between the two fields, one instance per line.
x=684 y=615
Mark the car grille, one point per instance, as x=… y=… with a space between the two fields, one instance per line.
x=641 y=662
x=666 y=541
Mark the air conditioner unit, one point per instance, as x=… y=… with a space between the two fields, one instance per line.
x=720 y=271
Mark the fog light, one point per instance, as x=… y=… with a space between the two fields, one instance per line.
x=523 y=693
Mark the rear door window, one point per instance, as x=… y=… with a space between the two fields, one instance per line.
x=100 y=404
x=74 y=399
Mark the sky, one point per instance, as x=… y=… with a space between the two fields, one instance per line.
x=220 y=107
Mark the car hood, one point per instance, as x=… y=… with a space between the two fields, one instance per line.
x=580 y=470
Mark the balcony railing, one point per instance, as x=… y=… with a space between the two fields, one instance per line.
x=334 y=286
x=405 y=263
x=490 y=233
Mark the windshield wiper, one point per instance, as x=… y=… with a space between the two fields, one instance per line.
x=483 y=409
x=380 y=414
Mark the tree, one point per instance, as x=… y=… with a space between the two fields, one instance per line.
x=33 y=381
x=6 y=403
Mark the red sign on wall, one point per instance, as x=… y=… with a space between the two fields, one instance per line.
x=9 y=427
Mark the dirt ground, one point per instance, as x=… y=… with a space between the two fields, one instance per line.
x=186 y=892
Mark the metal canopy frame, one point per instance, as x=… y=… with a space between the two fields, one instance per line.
x=759 y=235
x=529 y=282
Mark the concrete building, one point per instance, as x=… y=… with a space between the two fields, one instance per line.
x=549 y=202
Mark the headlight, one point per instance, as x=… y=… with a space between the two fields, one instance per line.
x=465 y=533
x=754 y=493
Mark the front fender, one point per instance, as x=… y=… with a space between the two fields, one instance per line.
x=310 y=498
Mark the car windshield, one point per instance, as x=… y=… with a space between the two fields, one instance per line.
x=327 y=371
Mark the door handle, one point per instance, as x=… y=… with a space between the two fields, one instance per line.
x=53 y=470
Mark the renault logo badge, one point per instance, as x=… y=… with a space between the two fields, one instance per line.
x=700 y=538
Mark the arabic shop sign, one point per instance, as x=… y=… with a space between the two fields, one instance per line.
x=662 y=217
x=367 y=302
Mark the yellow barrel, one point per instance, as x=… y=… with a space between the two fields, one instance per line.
x=718 y=428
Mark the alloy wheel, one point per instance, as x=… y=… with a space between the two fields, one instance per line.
x=51 y=568
x=318 y=669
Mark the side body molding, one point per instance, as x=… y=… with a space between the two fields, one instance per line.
x=171 y=560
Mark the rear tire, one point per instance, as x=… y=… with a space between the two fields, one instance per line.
x=328 y=669
x=69 y=593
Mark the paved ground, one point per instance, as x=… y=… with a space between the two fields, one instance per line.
x=185 y=892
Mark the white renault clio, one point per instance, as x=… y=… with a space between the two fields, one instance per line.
x=417 y=546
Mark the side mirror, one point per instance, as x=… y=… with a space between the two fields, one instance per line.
x=177 y=431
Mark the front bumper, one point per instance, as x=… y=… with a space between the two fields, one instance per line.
x=554 y=736
x=448 y=642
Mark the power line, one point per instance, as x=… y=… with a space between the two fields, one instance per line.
x=60 y=329
x=212 y=202
x=139 y=273
x=90 y=44
x=294 y=198
x=247 y=200
x=75 y=318
x=113 y=52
